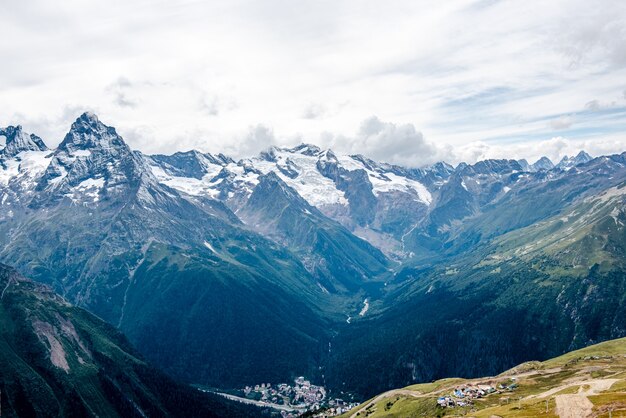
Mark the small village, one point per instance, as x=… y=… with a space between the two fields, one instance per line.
x=465 y=395
x=298 y=398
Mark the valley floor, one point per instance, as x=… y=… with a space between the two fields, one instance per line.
x=261 y=404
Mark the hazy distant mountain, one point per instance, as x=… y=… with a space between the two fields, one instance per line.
x=566 y=162
x=543 y=164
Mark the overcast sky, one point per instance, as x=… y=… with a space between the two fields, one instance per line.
x=410 y=82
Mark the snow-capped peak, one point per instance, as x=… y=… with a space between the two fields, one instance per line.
x=304 y=149
x=87 y=133
x=542 y=164
x=19 y=141
x=567 y=163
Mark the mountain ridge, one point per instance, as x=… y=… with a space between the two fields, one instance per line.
x=58 y=360
x=229 y=273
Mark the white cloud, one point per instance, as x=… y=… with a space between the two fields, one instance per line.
x=314 y=111
x=554 y=148
x=257 y=139
x=395 y=143
x=563 y=122
x=597 y=105
x=187 y=73
x=402 y=144
x=119 y=90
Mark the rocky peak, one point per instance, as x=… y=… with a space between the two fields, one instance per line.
x=568 y=162
x=367 y=162
x=327 y=161
x=269 y=154
x=18 y=141
x=489 y=167
x=583 y=156
x=442 y=168
x=93 y=162
x=542 y=164
x=524 y=164
x=88 y=133
x=191 y=163
x=328 y=155
x=272 y=188
x=219 y=159
x=305 y=149
x=432 y=176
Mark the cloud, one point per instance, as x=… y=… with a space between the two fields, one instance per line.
x=394 y=143
x=209 y=105
x=200 y=73
x=119 y=88
x=554 y=148
x=597 y=37
x=257 y=139
x=403 y=144
x=314 y=111
x=597 y=105
x=563 y=122
x=122 y=100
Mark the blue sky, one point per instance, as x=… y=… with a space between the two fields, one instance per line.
x=410 y=82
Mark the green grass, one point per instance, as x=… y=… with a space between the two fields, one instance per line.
x=526 y=400
x=619 y=386
x=433 y=386
x=606 y=349
x=529 y=408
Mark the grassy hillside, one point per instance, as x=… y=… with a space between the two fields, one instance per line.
x=232 y=327
x=59 y=360
x=586 y=382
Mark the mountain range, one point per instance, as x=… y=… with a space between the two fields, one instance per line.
x=358 y=274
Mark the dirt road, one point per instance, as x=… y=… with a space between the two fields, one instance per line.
x=578 y=405
x=573 y=406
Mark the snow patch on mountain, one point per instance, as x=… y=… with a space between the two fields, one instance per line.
x=25 y=166
x=81 y=153
x=210 y=247
x=189 y=185
x=297 y=167
x=89 y=188
x=366 y=307
x=314 y=187
x=62 y=175
x=385 y=182
x=11 y=170
x=350 y=163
